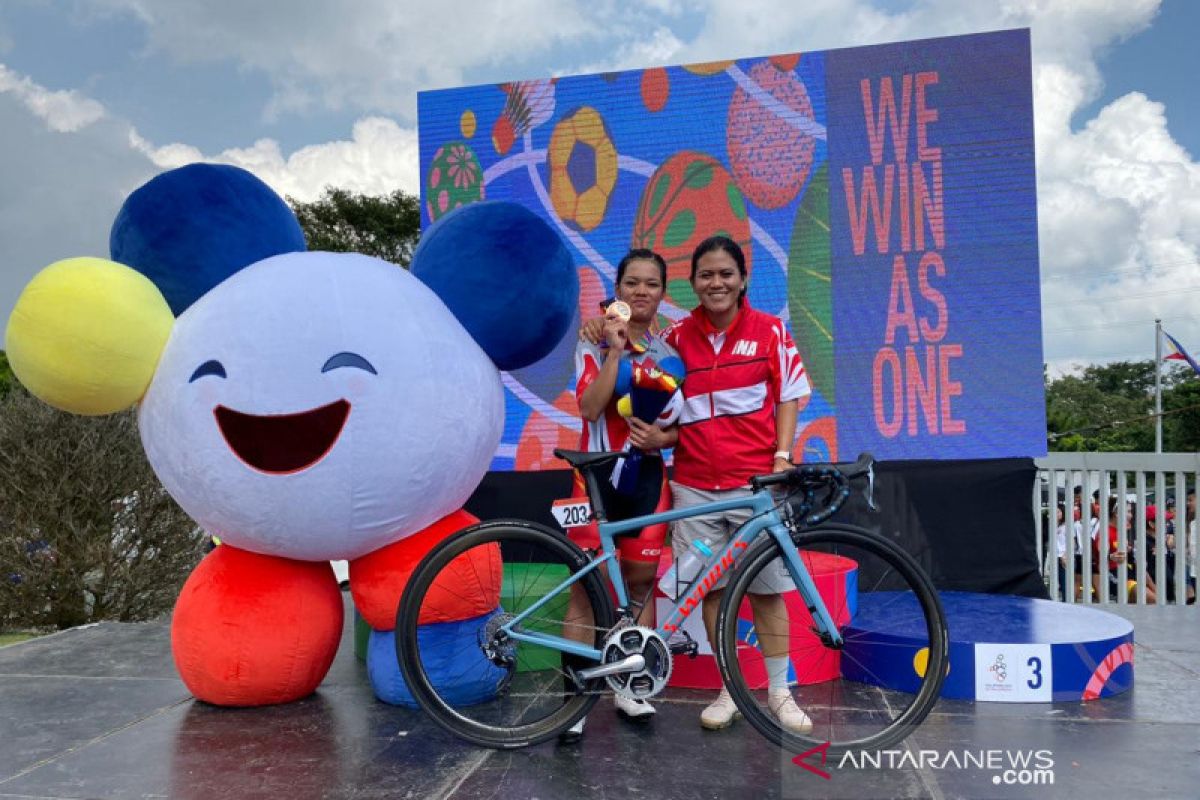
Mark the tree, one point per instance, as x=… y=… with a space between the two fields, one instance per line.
x=1110 y=407
x=1181 y=426
x=1133 y=380
x=386 y=227
x=7 y=379
x=1094 y=419
x=86 y=530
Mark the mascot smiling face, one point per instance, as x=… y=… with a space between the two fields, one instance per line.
x=319 y=406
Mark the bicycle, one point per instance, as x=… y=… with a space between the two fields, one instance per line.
x=536 y=682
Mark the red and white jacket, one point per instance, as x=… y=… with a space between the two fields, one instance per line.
x=735 y=380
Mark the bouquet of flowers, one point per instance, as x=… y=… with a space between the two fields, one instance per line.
x=654 y=397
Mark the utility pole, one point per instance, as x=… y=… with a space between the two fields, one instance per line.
x=1158 y=385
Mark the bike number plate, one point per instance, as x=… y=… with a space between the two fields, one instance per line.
x=572 y=512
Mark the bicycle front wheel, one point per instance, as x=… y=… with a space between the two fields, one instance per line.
x=887 y=611
x=488 y=688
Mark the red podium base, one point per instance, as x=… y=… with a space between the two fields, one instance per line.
x=835 y=578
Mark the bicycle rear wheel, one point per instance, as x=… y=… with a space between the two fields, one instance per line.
x=886 y=608
x=492 y=690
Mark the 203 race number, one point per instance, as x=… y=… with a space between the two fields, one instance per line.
x=572 y=512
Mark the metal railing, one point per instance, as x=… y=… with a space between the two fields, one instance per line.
x=1130 y=482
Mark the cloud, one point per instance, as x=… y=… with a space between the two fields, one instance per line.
x=1118 y=197
x=62 y=111
x=1119 y=210
x=379 y=158
x=660 y=48
x=368 y=56
x=1120 y=236
x=68 y=171
x=62 y=185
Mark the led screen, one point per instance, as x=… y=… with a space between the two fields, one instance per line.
x=884 y=196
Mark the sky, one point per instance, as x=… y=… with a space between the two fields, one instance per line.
x=97 y=96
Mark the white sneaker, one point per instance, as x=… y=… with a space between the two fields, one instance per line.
x=572 y=734
x=720 y=713
x=784 y=707
x=631 y=708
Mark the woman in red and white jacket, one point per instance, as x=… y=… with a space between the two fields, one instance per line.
x=745 y=386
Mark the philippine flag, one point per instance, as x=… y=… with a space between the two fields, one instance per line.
x=1175 y=352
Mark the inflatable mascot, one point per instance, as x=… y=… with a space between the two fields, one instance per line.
x=301 y=406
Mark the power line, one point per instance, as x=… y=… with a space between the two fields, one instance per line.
x=1130 y=324
x=1123 y=298
x=1118 y=423
x=1136 y=270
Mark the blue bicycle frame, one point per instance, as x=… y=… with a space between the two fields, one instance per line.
x=763 y=516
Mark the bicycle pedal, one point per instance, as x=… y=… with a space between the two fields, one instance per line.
x=687 y=646
x=573 y=676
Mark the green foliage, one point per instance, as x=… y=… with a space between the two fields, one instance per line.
x=1182 y=427
x=1110 y=407
x=387 y=227
x=7 y=379
x=1133 y=380
x=15 y=638
x=86 y=530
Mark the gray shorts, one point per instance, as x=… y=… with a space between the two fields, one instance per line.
x=718 y=529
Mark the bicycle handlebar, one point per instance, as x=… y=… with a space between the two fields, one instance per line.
x=804 y=472
x=864 y=466
x=812 y=476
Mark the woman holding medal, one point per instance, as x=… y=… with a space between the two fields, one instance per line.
x=746 y=385
x=602 y=376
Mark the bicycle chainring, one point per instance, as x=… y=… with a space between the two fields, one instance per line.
x=653 y=677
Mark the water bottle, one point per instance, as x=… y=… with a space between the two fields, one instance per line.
x=686 y=568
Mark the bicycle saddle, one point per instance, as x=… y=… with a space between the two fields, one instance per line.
x=581 y=460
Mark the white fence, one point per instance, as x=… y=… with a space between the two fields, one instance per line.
x=1130 y=482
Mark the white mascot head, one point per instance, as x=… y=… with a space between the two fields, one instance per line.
x=301 y=404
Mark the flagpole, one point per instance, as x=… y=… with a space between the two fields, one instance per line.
x=1158 y=385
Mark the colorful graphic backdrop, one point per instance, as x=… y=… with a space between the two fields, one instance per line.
x=884 y=196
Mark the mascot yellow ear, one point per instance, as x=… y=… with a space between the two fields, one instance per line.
x=86 y=335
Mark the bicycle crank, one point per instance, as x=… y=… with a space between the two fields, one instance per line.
x=636 y=662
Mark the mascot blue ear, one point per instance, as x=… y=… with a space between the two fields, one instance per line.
x=190 y=228
x=505 y=274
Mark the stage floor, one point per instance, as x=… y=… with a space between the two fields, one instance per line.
x=99 y=712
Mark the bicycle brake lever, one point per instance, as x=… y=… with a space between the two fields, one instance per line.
x=871 y=488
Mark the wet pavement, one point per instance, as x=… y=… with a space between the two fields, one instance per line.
x=99 y=712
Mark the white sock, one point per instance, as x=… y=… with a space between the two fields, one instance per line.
x=777 y=672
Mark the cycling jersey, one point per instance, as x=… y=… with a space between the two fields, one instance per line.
x=735 y=380
x=610 y=430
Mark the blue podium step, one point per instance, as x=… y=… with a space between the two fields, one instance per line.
x=1002 y=648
